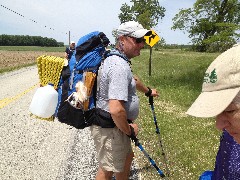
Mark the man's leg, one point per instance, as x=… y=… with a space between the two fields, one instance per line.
x=125 y=174
x=103 y=175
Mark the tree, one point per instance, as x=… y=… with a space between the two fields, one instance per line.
x=212 y=24
x=126 y=13
x=146 y=12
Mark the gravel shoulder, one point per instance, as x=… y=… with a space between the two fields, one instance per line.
x=30 y=148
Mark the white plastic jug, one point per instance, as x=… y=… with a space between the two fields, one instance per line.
x=44 y=101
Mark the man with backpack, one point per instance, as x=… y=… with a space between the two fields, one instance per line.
x=117 y=95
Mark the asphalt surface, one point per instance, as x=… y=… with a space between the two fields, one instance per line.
x=37 y=149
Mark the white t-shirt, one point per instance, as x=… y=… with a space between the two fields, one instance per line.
x=117 y=82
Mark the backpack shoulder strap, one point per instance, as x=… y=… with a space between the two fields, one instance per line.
x=117 y=53
x=109 y=53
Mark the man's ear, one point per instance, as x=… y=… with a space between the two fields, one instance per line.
x=121 y=38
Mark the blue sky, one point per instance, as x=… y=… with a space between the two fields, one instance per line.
x=79 y=17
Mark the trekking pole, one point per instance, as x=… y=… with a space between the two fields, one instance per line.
x=137 y=143
x=158 y=132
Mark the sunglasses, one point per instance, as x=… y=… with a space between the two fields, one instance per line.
x=138 y=40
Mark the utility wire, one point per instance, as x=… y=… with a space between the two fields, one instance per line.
x=34 y=21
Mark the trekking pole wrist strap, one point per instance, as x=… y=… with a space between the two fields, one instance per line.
x=149 y=92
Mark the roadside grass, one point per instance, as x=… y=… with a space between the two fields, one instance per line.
x=190 y=144
x=8 y=69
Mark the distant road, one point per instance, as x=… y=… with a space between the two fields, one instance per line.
x=38 y=149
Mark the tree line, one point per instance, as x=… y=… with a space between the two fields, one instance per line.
x=25 y=40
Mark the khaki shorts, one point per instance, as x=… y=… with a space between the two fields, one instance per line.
x=112 y=147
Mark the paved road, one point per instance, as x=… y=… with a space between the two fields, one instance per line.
x=38 y=149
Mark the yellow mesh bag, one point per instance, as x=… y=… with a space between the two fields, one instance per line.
x=49 y=69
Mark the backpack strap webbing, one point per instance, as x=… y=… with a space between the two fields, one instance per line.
x=86 y=70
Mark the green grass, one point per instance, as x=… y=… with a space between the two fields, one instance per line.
x=190 y=143
x=32 y=48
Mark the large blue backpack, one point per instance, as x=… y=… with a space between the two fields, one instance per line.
x=90 y=52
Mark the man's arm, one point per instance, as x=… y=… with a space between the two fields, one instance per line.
x=141 y=87
x=119 y=115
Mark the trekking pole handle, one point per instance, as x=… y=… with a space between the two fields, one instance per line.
x=150 y=100
x=133 y=136
x=148 y=94
x=136 y=141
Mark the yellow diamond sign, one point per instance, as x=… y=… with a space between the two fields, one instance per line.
x=151 y=38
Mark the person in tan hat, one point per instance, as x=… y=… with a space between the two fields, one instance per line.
x=117 y=95
x=220 y=98
x=220 y=95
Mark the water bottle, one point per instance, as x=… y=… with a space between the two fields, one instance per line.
x=44 y=101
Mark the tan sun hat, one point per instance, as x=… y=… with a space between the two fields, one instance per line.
x=221 y=84
x=131 y=28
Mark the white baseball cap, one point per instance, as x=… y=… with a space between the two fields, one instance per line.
x=72 y=42
x=221 y=84
x=131 y=28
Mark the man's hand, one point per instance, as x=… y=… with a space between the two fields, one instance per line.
x=135 y=127
x=119 y=116
x=154 y=93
